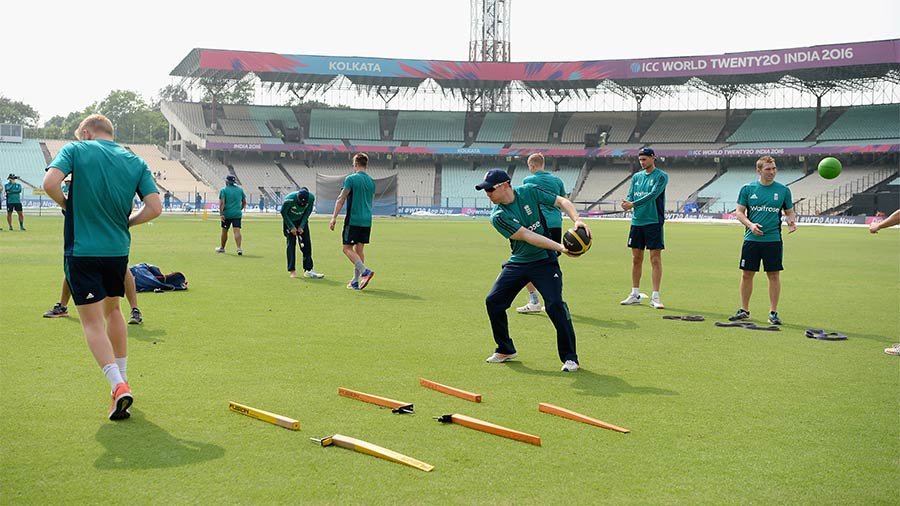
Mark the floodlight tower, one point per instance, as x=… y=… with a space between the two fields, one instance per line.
x=489 y=42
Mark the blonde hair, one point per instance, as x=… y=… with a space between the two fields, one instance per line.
x=536 y=159
x=95 y=123
x=361 y=159
x=763 y=160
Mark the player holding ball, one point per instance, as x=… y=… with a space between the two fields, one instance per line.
x=517 y=216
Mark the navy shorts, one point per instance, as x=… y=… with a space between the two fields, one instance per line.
x=229 y=222
x=646 y=236
x=13 y=207
x=92 y=279
x=770 y=253
x=355 y=235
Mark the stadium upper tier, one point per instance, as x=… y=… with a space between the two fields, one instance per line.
x=672 y=133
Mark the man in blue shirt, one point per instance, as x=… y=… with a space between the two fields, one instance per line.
x=517 y=216
x=647 y=199
x=759 y=207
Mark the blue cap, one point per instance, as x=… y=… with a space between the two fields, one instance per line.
x=492 y=178
x=303 y=196
x=230 y=179
x=646 y=152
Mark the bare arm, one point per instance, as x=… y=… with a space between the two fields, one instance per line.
x=535 y=239
x=569 y=208
x=741 y=213
x=338 y=204
x=151 y=209
x=890 y=221
x=52 y=180
x=791 y=220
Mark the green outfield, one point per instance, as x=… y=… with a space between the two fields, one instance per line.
x=717 y=415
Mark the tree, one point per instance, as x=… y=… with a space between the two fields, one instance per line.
x=228 y=91
x=170 y=93
x=13 y=111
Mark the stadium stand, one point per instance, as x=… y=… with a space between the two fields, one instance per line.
x=415 y=183
x=458 y=180
x=26 y=160
x=344 y=124
x=240 y=127
x=771 y=144
x=857 y=142
x=191 y=115
x=865 y=122
x=689 y=145
x=228 y=139
x=684 y=183
x=685 y=126
x=618 y=125
x=602 y=180
x=776 y=125
x=497 y=127
x=532 y=127
x=257 y=173
x=813 y=185
x=430 y=126
x=175 y=177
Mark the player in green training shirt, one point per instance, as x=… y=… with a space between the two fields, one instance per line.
x=759 y=207
x=13 y=191
x=359 y=193
x=232 y=202
x=647 y=199
x=517 y=216
x=97 y=239
x=552 y=184
x=295 y=213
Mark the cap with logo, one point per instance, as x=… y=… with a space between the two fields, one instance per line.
x=646 y=152
x=492 y=178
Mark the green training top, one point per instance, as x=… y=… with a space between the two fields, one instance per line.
x=13 y=193
x=360 y=199
x=648 y=194
x=524 y=211
x=554 y=185
x=295 y=215
x=764 y=205
x=233 y=195
x=105 y=178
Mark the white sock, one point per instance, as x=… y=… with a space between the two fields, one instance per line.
x=123 y=366
x=655 y=295
x=533 y=297
x=636 y=291
x=111 y=371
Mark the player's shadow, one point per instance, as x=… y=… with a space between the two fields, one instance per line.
x=800 y=330
x=145 y=335
x=392 y=294
x=607 y=324
x=138 y=443
x=591 y=383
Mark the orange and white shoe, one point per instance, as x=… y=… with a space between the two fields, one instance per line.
x=121 y=401
x=365 y=277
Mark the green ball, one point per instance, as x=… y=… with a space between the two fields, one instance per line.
x=830 y=167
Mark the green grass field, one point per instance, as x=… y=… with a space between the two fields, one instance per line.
x=718 y=415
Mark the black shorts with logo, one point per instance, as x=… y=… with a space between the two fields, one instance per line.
x=646 y=236
x=229 y=222
x=13 y=207
x=770 y=253
x=92 y=279
x=355 y=235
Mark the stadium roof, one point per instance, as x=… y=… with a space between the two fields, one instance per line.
x=815 y=64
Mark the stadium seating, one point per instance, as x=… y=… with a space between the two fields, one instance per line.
x=458 y=182
x=176 y=178
x=683 y=183
x=813 y=185
x=532 y=127
x=26 y=160
x=256 y=173
x=230 y=139
x=191 y=115
x=776 y=125
x=602 y=180
x=415 y=183
x=430 y=126
x=240 y=127
x=344 y=124
x=771 y=144
x=865 y=122
x=620 y=126
x=497 y=127
x=856 y=142
x=685 y=126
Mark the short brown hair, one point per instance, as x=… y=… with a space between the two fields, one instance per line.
x=361 y=159
x=96 y=123
x=763 y=160
x=537 y=159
